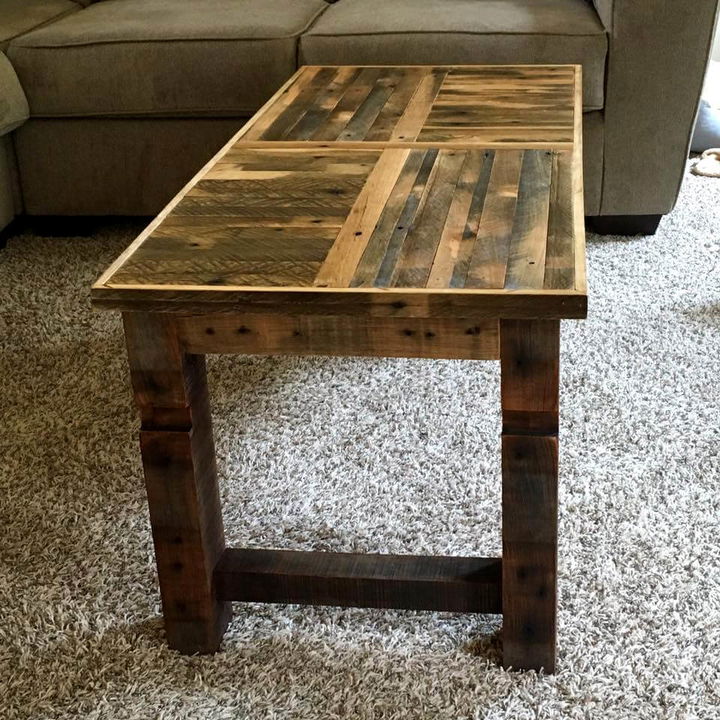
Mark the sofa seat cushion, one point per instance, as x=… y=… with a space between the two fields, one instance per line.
x=162 y=57
x=20 y=16
x=456 y=32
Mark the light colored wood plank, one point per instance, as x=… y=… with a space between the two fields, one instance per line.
x=577 y=188
x=411 y=121
x=452 y=233
x=344 y=256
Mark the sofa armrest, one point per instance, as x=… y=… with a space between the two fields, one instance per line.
x=659 y=50
x=14 y=110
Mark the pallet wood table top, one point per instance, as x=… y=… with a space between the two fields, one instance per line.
x=395 y=191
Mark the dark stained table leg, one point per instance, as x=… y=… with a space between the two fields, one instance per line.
x=529 y=357
x=179 y=460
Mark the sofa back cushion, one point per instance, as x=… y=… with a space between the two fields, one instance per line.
x=163 y=57
x=462 y=32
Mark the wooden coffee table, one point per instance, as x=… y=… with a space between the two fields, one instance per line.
x=418 y=212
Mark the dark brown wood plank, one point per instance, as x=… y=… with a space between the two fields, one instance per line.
x=181 y=479
x=452 y=584
x=560 y=255
x=301 y=104
x=531 y=367
x=530 y=468
x=325 y=103
x=389 y=223
x=412 y=209
x=529 y=360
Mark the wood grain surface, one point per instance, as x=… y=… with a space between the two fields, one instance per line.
x=484 y=105
x=416 y=582
x=381 y=179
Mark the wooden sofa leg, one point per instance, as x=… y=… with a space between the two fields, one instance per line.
x=623 y=224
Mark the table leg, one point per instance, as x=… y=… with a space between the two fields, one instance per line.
x=179 y=460
x=529 y=357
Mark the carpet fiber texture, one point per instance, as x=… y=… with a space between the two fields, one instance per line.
x=379 y=456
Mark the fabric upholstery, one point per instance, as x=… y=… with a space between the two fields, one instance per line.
x=593 y=131
x=658 y=53
x=20 y=16
x=8 y=203
x=604 y=10
x=387 y=32
x=109 y=166
x=14 y=108
x=162 y=57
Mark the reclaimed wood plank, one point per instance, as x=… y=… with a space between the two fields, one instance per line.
x=490 y=254
x=257 y=334
x=406 y=87
x=526 y=258
x=181 y=480
x=348 y=105
x=468 y=237
x=412 y=209
x=390 y=222
x=326 y=101
x=368 y=112
x=418 y=251
x=376 y=302
x=414 y=582
x=301 y=104
x=413 y=118
x=529 y=361
x=349 y=246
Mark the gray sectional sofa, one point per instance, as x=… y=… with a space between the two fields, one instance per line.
x=116 y=103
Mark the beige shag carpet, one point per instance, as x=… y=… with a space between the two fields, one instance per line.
x=369 y=455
